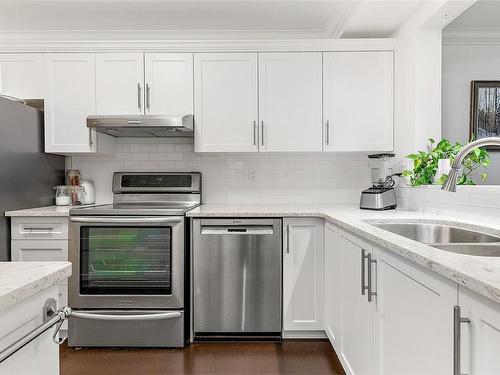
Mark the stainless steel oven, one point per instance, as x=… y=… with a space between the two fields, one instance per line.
x=129 y=263
x=133 y=262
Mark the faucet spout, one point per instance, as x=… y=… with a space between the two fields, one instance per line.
x=451 y=182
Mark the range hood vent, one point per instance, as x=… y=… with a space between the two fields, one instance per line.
x=143 y=126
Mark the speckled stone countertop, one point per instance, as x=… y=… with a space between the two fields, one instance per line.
x=47 y=211
x=480 y=274
x=41 y=211
x=21 y=280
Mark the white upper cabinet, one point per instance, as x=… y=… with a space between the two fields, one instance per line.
x=119 y=83
x=169 y=83
x=290 y=101
x=358 y=101
x=226 y=108
x=69 y=99
x=303 y=274
x=21 y=75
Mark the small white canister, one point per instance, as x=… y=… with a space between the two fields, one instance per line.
x=88 y=194
x=62 y=195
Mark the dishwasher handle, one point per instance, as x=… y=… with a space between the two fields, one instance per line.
x=237 y=230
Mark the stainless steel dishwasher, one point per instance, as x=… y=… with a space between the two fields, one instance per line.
x=237 y=267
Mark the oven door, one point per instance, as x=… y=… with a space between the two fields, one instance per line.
x=127 y=262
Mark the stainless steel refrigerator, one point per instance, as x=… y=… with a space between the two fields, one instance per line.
x=27 y=174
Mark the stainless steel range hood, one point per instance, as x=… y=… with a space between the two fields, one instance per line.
x=143 y=126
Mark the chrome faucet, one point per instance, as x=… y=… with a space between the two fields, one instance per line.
x=451 y=182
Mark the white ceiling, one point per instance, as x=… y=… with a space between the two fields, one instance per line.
x=378 y=18
x=208 y=19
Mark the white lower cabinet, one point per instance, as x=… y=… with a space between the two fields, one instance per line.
x=356 y=313
x=303 y=275
x=39 y=250
x=413 y=321
x=42 y=239
x=395 y=317
x=480 y=338
x=332 y=283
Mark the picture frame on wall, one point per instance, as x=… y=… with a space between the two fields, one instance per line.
x=485 y=110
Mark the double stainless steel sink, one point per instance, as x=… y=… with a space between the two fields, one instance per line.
x=447 y=237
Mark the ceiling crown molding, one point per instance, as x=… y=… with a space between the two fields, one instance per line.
x=181 y=45
x=471 y=36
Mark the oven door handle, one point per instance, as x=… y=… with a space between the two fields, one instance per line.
x=159 y=316
x=126 y=220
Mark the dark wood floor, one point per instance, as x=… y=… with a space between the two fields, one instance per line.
x=289 y=357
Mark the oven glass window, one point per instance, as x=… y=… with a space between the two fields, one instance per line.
x=126 y=260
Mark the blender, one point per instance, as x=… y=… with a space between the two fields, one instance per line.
x=381 y=196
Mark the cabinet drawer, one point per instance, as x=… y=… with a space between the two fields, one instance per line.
x=40 y=228
x=39 y=251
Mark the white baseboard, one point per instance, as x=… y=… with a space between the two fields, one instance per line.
x=304 y=335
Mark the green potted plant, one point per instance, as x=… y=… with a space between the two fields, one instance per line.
x=426 y=164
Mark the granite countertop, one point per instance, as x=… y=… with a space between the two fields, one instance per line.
x=41 y=211
x=47 y=211
x=480 y=274
x=21 y=280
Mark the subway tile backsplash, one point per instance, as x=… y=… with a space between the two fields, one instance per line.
x=479 y=202
x=235 y=178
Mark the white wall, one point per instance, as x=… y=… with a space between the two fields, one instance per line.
x=228 y=178
x=418 y=74
x=463 y=63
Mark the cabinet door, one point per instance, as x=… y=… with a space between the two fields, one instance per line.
x=69 y=99
x=414 y=318
x=333 y=267
x=169 y=83
x=358 y=101
x=290 y=88
x=226 y=102
x=119 y=83
x=39 y=250
x=21 y=75
x=303 y=274
x=481 y=337
x=356 y=332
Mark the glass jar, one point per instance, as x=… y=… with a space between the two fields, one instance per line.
x=76 y=193
x=62 y=195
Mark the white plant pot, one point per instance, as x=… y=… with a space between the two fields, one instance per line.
x=444 y=167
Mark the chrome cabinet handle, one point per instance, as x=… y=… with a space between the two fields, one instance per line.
x=147 y=96
x=327 y=127
x=364 y=257
x=139 y=101
x=262 y=126
x=83 y=315
x=91 y=142
x=371 y=292
x=31 y=229
x=457 y=335
x=288 y=239
x=254 y=133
